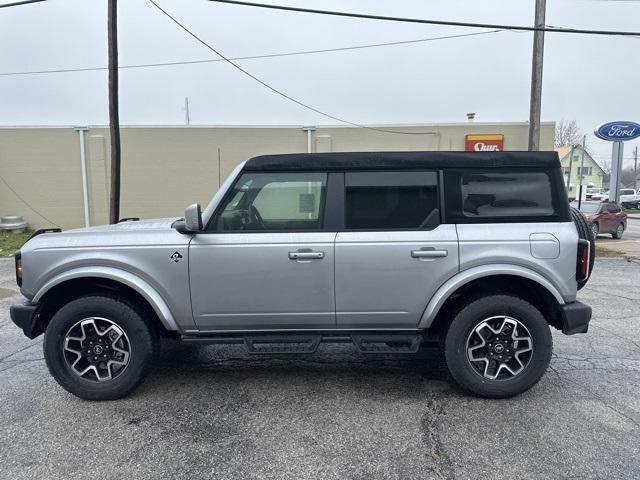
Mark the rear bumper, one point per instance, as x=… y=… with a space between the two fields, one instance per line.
x=575 y=318
x=25 y=315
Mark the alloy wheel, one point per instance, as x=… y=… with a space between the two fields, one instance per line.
x=499 y=348
x=96 y=349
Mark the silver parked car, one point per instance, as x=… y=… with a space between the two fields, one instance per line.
x=479 y=251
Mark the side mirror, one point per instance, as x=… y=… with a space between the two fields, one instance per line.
x=192 y=222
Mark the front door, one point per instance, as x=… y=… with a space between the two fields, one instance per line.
x=394 y=253
x=265 y=261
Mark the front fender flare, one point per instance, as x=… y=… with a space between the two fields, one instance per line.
x=133 y=281
x=466 y=276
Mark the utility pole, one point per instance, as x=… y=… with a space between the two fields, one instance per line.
x=114 y=117
x=187 y=117
x=535 y=103
x=635 y=169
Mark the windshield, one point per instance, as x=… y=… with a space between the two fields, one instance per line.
x=586 y=207
x=626 y=192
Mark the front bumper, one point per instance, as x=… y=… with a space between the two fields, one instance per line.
x=575 y=318
x=25 y=315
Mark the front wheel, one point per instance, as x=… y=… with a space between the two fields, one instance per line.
x=99 y=347
x=594 y=230
x=498 y=346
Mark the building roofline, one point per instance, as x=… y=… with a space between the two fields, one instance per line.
x=196 y=126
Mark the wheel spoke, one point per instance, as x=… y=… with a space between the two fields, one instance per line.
x=96 y=349
x=499 y=348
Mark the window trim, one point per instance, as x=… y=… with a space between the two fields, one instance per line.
x=439 y=199
x=210 y=228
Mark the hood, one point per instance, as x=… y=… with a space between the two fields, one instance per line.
x=132 y=225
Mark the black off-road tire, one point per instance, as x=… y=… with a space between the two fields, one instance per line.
x=142 y=336
x=585 y=233
x=460 y=329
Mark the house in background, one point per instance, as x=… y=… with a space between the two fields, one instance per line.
x=578 y=170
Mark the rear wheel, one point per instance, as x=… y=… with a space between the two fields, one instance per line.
x=99 y=347
x=619 y=231
x=595 y=229
x=498 y=346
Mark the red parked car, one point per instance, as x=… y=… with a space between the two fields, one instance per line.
x=604 y=217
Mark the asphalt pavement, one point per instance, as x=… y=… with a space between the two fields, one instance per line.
x=215 y=412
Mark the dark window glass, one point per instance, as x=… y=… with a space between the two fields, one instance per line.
x=613 y=208
x=500 y=194
x=274 y=202
x=391 y=200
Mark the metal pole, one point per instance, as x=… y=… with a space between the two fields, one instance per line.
x=616 y=167
x=535 y=103
x=114 y=117
x=83 y=169
x=570 y=165
x=309 y=131
x=584 y=140
x=635 y=169
x=187 y=118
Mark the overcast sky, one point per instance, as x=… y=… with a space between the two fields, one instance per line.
x=592 y=79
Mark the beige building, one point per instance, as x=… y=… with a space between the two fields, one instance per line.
x=166 y=168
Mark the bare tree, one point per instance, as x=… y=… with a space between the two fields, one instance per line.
x=567 y=133
x=628 y=176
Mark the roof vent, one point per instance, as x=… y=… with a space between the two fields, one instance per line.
x=471 y=116
x=13 y=223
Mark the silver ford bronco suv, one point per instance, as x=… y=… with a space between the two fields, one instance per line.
x=479 y=252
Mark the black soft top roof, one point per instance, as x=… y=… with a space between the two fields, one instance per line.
x=400 y=160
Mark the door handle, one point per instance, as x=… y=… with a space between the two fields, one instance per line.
x=302 y=255
x=429 y=253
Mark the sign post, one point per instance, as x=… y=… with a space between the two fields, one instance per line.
x=617 y=132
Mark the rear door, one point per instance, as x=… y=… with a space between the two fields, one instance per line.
x=393 y=253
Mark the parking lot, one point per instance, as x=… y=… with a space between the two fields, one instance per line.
x=215 y=412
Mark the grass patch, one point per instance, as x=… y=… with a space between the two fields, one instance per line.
x=605 y=252
x=10 y=242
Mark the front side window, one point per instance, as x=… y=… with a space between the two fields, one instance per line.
x=273 y=202
x=502 y=194
x=391 y=200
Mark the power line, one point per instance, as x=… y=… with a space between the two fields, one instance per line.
x=23 y=2
x=251 y=57
x=430 y=22
x=275 y=90
x=27 y=203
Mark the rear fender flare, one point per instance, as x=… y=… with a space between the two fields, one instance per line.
x=466 y=276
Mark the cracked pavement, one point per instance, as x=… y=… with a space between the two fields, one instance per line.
x=215 y=412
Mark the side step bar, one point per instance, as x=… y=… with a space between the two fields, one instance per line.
x=374 y=342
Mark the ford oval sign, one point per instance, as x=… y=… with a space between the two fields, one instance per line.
x=618 y=131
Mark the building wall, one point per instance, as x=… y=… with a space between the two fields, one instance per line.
x=166 y=168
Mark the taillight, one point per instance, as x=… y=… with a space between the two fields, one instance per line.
x=19 y=269
x=582 y=263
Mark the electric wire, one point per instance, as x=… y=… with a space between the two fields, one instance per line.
x=27 y=203
x=431 y=22
x=252 y=57
x=275 y=90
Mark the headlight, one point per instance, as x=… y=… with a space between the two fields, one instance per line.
x=19 y=269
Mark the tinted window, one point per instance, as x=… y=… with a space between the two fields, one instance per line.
x=277 y=201
x=613 y=208
x=502 y=194
x=391 y=200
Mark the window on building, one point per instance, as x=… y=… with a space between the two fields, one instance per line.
x=391 y=200
x=274 y=202
x=585 y=170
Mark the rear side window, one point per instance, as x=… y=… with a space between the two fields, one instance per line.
x=501 y=196
x=391 y=200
